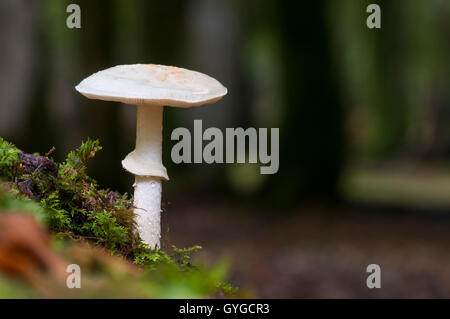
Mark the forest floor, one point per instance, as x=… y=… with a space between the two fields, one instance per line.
x=317 y=254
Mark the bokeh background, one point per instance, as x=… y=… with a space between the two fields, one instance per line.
x=364 y=118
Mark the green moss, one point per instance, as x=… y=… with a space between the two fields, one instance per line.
x=73 y=206
x=9 y=157
x=73 y=203
x=152 y=258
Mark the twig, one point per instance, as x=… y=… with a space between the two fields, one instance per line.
x=50 y=152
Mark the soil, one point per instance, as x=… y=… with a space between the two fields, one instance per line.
x=317 y=254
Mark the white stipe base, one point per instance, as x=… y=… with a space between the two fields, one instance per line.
x=147 y=203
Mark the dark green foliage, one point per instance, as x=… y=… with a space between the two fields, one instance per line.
x=226 y=288
x=179 y=257
x=73 y=202
x=9 y=157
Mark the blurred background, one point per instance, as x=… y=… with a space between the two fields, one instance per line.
x=364 y=118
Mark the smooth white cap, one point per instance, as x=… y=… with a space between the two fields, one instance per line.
x=152 y=84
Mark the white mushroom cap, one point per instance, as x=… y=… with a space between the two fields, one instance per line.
x=151 y=87
x=152 y=84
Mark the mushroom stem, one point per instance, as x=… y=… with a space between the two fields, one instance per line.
x=147 y=188
x=149 y=134
x=147 y=203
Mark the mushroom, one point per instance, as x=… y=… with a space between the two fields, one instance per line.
x=150 y=87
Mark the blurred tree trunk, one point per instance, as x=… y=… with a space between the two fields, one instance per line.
x=211 y=46
x=389 y=102
x=311 y=136
x=17 y=62
x=100 y=118
x=373 y=64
